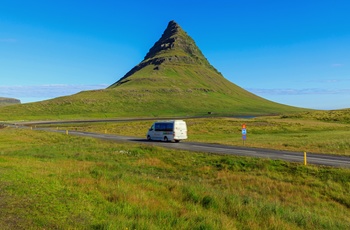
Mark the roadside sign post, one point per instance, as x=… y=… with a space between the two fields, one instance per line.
x=244 y=133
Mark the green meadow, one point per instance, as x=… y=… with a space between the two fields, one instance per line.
x=57 y=181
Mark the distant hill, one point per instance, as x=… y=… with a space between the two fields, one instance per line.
x=174 y=79
x=8 y=101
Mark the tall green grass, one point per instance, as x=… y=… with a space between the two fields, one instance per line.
x=56 y=181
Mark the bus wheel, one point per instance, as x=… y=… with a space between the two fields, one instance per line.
x=149 y=138
x=177 y=141
x=165 y=139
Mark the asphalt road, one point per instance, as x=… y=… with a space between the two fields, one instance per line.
x=312 y=158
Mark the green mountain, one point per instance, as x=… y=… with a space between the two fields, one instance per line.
x=174 y=79
x=8 y=101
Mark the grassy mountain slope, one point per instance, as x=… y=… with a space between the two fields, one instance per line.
x=174 y=79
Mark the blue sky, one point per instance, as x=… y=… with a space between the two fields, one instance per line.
x=292 y=52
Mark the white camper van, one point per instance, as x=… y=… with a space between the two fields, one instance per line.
x=175 y=130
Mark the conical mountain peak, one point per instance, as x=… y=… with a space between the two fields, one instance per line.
x=174 y=47
x=175 y=42
x=167 y=41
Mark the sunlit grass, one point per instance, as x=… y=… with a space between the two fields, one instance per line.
x=61 y=181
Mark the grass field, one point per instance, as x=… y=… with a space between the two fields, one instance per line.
x=276 y=132
x=55 y=181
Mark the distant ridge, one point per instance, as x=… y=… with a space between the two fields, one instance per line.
x=174 y=79
x=8 y=101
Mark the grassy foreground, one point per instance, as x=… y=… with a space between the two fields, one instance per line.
x=55 y=181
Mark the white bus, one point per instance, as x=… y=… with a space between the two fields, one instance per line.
x=174 y=130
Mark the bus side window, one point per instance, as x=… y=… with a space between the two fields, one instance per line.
x=163 y=127
x=169 y=127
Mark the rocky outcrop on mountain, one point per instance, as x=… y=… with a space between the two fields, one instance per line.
x=167 y=41
x=174 y=46
x=174 y=38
